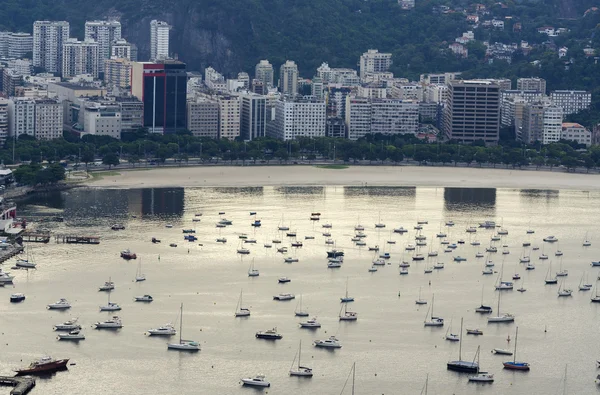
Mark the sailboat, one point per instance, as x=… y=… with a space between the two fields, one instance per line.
x=241 y=311
x=586 y=241
x=348 y=315
x=347 y=298
x=506 y=317
x=110 y=306
x=139 y=276
x=353 y=373
x=503 y=285
x=483 y=308
x=550 y=280
x=433 y=321
x=514 y=365
x=596 y=297
x=460 y=365
x=252 y=272
x=420 y=301
x=564 y=291
x=522 y=289
x=481 y=377
x=562 y=272
x=299 y=312
x=582 y=285
x=379 y=224
x=183 y=345
x=282 y=226
x=451 y=336
x=300 y=370
x=424 y=390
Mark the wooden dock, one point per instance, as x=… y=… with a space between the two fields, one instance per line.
x=36 y=237
x=22 y=384
x=76 y=239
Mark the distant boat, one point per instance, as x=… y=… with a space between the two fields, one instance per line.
x=419 y=300
x=299 y=370
x=311 y=323
x=241 y=311
x=347 y=315
x=143 y=298
x=564 y=291
x=284 y=296
x=506 y=317
x=483 y=308
x=460 y=365
x=110 y=306
x=257 y=381
x=481 y=377
x=139 y=276
x=550 y=280
x=299 y=312
x=74 y=335
x=252 y=272
x=550 y=239
x=61 y=304
x=331 y=342
x=183 y=345
x=269 y=334
x=433 y=321
x=346 y=298
x=451 y=336
x=107 y=286
x=514 y=365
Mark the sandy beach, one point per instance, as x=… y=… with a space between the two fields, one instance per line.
x=353 y=175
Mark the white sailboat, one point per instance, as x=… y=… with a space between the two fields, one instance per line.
x=550 y=280
x=347 y=298
x=586 y=241
x=299 y=370
x=419 y=300
x=347 y=315
x=506 y=317
x=139 y=276
x=596 y=297
x=183 y=345
x=481 y=377
x=241 y=311
x=483 y=308
x=252 y=272
x=451 y=336
x=433 y=321
x=583 y=286
x=299 y=312
x=110 y=306
x=562 y=291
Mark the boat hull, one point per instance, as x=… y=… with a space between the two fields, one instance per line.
x=463 y=366
x=60 y=364
x=516 y=366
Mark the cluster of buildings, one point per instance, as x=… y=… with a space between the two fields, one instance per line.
x=99 y=86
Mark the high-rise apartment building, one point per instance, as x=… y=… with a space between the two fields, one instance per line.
x=264 y=73
x=386 y=116
x=48 y=119
x=229 y=117
x=472 y=111
x=532 y=84
x=80 y=57
x=104 y=33
x=203 y=117
x=288 y=78
x=19 y=44
x=542 y=121
x=117 y=72
x=21 y=116
x=374 y=61
x=244 y=78
x=571 y=101
x=121 y=49
x=159 y=40
x=49 y=38
x=162 y=86
x=3 y=119
x=299 y=118
x=317 y=88
x=253 y=116
x=4 y=44
x=132 y=113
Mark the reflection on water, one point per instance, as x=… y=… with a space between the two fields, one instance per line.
x=300 y=190
x=242 y=190
x=459 y=198
x=380 y=191
x=539 y=193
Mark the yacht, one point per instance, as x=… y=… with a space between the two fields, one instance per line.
x=475 y=332
x=564 y=291
x=479 y=255
x=372 y=269
x=379 y=262
x=25 y=264
x=491 y=249
x=290 y=259
x=329 y=242
x=127 y=254
x=506 y=317
x=438 y=265
x=16 y=298
x=139 y=276
x=459 y=259
x=113 y=323
x=482 y=377
x=183 y=345
x=471 y=229
x=487 y=224
x=410 y=247
x=514 y=365
x=504 y=286
x=284 y=296
x=257 y=381
x=282 y=250
x=331 y=342
x=301 y=371
x=475 y=243
x=530 y=266
x=143 y=298
x=243 y=251
x=241 y=311
x=361 y=243
x=270 y=334
x=221 y=240
x=61 y=304
x=69 y=325
x=334 y=264
x=284 y=280
x=72 y=335
x=225 y=221
x=312 y=323
x=464 y=366
x=487 y=271
x=450 y=223
x=403 y=271
x=165 y=330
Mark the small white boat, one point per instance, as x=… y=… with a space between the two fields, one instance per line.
x=550 y=239
x=479 y=255
x=331 y=342
x=139 y=276
x=252 y=272
x=372 y=269
x=312 y=323
x=257 y=381
x=243 y=251
x=110 y=306
x=241 y=311
x=72 y=335
x=61 y=304
x=420 y=301
x=165 y=330
x=361 y=243
x=487 y=271
x=476 y=332
x=482 y=377
x=379 y=262
x=290 y=259
x=284 y=296
x=69 y=325
x=334 y=264
x=475 y=243
x=107 y=286
x=501 y=351
x=439 y=265
x=403 y=271
x=433 y=321
x=299 y=312
x=347 y=315
x=113 y=323
x=329 y=242
x=410 y=247
x=143 y=298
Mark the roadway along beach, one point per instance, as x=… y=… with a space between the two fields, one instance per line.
x=238 y=176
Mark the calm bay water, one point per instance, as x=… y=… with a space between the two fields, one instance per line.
x=392 y=350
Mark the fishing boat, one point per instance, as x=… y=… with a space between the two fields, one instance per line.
x=74 y=335
x=183 y=345
x=506 y=317
x=433 y=320
x=43 y=365
x=514 y=365
x=331 y=342
x=256 y=381
x=270 y=334
x=299 y=370
x=241 y=311
x=460 y=365
x=298 y=312
x=346 y=298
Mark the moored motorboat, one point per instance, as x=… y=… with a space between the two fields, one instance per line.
x=16 y=298
x=72 y=335
x=257 y=381
x=127 y=254
x=43 y=365
x=284 y=296
x=61 y=304
x=164 y=330
x=270 y=334
x=331 y=342
x=311 y=323
x=69 y=325
x=112 y=323
x=143 y=298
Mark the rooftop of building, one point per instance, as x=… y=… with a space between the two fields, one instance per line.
x=76 y=87
x=572 y=125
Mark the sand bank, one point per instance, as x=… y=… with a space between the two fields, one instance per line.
x=353 y=175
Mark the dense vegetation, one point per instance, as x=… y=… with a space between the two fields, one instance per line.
x=36 y=174
x=156 y=149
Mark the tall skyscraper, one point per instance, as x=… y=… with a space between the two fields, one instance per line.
x=472 y=111
x=288 y=78
x=80 y=57
x=48 y=40
x=104 y=33
x=253 y=116
x=374 y=61
x=159 y=40
x=162 y=86
x=264 y=73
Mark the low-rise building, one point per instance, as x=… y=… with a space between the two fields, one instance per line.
x=336 y=127
x=132 y=113
x=571 y=101
x=532 y=84
x=102 y=118
x=576 y=132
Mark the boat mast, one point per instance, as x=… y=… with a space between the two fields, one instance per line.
x=353 y=376
x=299 y=354
x=432 y=298
x=460 y=340
x=499 y=296
x=516 y=339
x=180 y=322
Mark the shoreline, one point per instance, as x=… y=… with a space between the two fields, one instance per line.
x=310 y=175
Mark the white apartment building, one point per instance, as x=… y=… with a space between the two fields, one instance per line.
x=374 y=61
x=49 y=38
x=19 y=44
x=299 y=118
x=229 y=117
x=104 y=33
x=542 y=121
x=121 y=49
x=21 y=116
x=102 y=119
x=532 y=84
x=510 y=104
x=48 y=119
x=264 y=72
x=341 y=76
x=288 y=78
x=3 y=119
x=436 y=93
x=571 y=101
x=553 y=119
x=80 y=57
x=159 y=40
x=438 y=78
x=576 y=132
x=358 y=117
x=244 y=78
x=394 y=116
x=317 y=89
x=203 y=117
x=372 y=91
x=20 y=66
